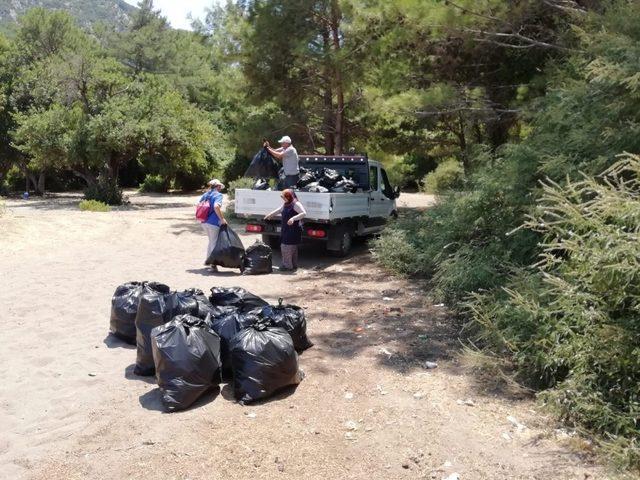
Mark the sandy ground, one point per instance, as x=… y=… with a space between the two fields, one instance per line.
x=71 y=408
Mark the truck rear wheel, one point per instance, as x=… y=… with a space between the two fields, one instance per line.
x=272 y=240
x=345 y=242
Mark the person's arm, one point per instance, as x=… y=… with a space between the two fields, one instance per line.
x=217 y=206
x=277 y=153
x=301 y=213
x=274 y=213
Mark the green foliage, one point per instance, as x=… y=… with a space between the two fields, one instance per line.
x=154 y=183
x=571 y=322
x=93 y=206
x=463 y=241
x=105 y=191
x=448 y=176
x=240 y=182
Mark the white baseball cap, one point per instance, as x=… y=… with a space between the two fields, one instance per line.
x=216 y=183
x=285 y=139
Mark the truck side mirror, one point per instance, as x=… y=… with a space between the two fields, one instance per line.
x=396 y=192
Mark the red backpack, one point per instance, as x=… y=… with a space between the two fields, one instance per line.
x=202 y=210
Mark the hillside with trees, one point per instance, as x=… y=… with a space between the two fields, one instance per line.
x=110 y=12
x=523 y=117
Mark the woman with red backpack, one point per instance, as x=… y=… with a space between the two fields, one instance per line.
x=209 y=212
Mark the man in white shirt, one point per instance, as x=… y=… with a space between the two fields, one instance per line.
x=290 y=161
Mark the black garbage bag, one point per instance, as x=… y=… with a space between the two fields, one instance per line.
x=215 y=311
x=345 y=186
x=261 y=184
x=258 y=259
x=204 y=304
x=306 y=178
x=316 y=188
x=236 y=297
x=263 y=165
x=155 y=309
x=329 y=178
x=227 y=327
x=264 y=361
x=292 y=319
x=281 y=180
x=229 y=251
x=186 y=352
x=124 y=307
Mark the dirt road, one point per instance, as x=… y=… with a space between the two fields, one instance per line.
x=71 y=408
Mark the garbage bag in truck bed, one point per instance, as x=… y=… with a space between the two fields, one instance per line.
x=261 y=184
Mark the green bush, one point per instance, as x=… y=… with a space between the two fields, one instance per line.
x=154 y=184
x=241 y=182
x=463 y=242
x=448 y=176
x=572 y=323
x=104 y=191
x=93 y=206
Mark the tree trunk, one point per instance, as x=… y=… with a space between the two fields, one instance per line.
x=462 y=142
x=336 y=16
x=33 y=181
x=327 y=121
x=41 y=179
x=87 y=177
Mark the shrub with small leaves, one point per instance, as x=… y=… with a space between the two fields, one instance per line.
x=241 y=182
x=104 y=191
x=570 y=325
x=93 y=206
x=448 y=176
x=154 y=184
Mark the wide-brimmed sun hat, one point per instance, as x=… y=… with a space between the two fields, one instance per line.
x=216 y=183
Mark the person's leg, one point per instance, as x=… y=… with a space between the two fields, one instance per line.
x=294 y=256
x=206 y=232
x=212 y=234
x=213 y=237
x=285 y=251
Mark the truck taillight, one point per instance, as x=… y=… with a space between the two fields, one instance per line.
x=316 y=233
x=254 y=228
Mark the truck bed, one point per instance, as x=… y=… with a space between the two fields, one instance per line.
x=323 y=207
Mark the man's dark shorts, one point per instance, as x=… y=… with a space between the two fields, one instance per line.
x=291 y=180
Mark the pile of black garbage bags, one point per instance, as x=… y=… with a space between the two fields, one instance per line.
x=229 y=252
x=192 y=342
x=319 y=180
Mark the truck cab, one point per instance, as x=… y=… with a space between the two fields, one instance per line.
x=334 y=219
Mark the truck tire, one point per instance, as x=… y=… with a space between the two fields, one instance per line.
x=272 y=240
x=345 y=242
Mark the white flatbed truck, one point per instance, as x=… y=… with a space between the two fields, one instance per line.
x=333 y=218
